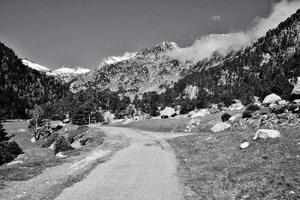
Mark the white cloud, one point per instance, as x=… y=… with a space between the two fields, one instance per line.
x=216 y=18
x=224 y=43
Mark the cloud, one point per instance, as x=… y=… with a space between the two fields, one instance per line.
x=216 y=18
x=224 y=43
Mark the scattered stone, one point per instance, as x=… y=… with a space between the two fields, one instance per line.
x=200 y=113
x=60 y=155
x=221 y=126
x=33 y=140
x=56 y=124
x=21 y=130
x=271 y=98
x=232 y=118
x=236 y=106
x=244 y=145
x=168 y=111
x=266 y=133
x=66 y=121
x=52 y=146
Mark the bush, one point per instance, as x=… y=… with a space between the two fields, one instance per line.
x=9 y=151
x=74 y=133
x=279 y=109
x=49 y=140
x=62 y=144
x=253 y=107
x=247 y=114
x=225 y=117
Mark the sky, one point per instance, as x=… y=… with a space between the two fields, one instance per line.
x=80 y=33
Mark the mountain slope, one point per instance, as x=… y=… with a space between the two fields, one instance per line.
x=135 y=73
x=269 y=65
x=21 y=86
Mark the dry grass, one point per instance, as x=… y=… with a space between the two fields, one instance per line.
x=213 y=166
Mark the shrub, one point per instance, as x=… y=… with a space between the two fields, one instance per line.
x=9 y=151
x=49 y=140
x=247 y=114
x=225 y=117
x=253 y=107
x=74 y=133
x=62 y=144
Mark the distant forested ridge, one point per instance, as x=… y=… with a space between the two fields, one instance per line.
x=22 y=87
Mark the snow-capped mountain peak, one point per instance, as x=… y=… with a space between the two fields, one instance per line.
x=115 y=59
x=66 y=70
x=35 y=66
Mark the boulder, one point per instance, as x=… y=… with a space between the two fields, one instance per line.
x=56 y=124
x=33 y=140
x=266 y=133
x=236 y=106
x=244 y=145
x=221 y=126
x=296 y=91
x=200 y=113
x=66 y=121
x=271 y=98
x=168 y=111
x=60 y=155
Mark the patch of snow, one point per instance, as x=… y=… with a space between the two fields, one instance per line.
x=66 y=70
x=35 y=66
x=115 y=59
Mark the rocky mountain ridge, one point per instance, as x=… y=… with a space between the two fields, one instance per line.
x=150 y=69
x=64 y=73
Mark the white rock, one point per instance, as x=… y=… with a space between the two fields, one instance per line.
x=60 y=155
x=15 y=162
x=66 y=120
x=282 y=102
x=33 y=140
x=168 y=111
x=21 y=130
x=266 y=133
x=244 y=145
x=296 y=89
x=232 y=118
x=52 y=146
x=271 y=98
x=221 y=126
x=55 y=124
x=200 y=113
x=236 y=106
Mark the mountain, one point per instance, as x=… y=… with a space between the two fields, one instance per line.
x=21 y=87
x=268 y=65
x=150 y=69
x=68 y=74
x=65 y=74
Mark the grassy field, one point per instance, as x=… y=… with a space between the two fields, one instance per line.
x=36 y=159
x=213 y=166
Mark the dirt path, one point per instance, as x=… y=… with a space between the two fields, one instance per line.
x=144 y=170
